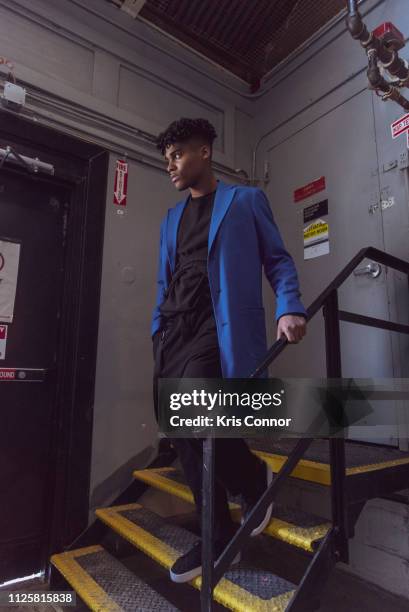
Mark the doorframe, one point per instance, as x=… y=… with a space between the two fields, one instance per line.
x=83 y=168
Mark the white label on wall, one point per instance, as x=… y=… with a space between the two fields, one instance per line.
x=316 y=230
x=9 y=260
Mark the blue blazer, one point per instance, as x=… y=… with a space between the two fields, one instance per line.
x=243 y=238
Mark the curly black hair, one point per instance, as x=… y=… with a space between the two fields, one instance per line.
x=184 y=129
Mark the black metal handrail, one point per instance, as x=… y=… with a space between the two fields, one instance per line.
x=328 y=300
x=368 y=252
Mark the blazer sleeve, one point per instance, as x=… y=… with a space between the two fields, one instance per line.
x=160 y=282
x=278 y=264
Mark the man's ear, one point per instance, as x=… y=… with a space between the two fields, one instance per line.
x=206 y=151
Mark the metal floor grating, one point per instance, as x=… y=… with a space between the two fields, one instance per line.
x=280 y=511
x=356 y=455
x=254 y=581
x=243 y=588
x=288 y=524
x=105 y=584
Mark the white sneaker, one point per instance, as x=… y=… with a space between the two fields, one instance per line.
x=247 y=504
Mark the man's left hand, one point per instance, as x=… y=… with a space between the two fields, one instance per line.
x=293 y=327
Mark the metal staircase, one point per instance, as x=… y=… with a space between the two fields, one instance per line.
x=351 y=472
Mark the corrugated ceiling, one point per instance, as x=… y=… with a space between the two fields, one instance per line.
x=247 y=37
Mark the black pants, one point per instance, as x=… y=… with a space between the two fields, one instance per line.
x=196 y=355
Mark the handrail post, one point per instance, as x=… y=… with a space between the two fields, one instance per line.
x=328 y=300
x=207 y=526
x=337 y=445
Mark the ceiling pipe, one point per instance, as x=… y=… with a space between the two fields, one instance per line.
x=379 y=52
x=378 y=83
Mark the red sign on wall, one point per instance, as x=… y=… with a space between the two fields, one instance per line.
x=3 y=341
x=400 y=126
x=121 y=182
x=304 y=192
x=7 y=373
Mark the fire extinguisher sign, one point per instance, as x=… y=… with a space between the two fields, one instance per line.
x=121 y=182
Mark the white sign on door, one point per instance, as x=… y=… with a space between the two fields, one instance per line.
x=3 y=341
x=9 y=260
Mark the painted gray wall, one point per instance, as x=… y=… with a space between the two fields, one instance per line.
x=318 y=118
x=92 y=71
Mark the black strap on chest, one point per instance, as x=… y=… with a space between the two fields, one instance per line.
x=199 y=264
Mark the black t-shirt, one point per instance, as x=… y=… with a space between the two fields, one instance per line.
x=190 y=282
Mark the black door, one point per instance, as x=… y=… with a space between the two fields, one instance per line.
x=33 y=214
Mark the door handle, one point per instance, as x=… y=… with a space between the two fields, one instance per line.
x=372 y=269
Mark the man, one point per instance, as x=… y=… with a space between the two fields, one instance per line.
x=209 y=320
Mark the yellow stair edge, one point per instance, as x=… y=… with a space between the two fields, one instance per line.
x=320 y=473
x=226 y=592
x=372 y=467
x=312 y=471
x=154 y=477
x=90 y=592
x=302 y=537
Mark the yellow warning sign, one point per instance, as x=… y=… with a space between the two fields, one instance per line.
x=316 y=233
x=315 y=230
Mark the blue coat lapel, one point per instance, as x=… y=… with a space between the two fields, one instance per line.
x=222 y=201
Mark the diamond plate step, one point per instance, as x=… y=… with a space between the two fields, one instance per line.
x=287 y=524
x=242 y=588
x=105 y=584
x=360 y=458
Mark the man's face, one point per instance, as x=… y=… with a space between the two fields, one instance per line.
x=186 y=162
